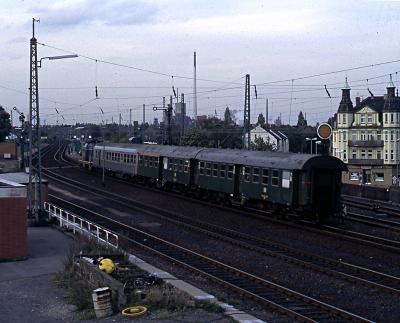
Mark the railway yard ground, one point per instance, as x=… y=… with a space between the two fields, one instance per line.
x=30 y=293
x=276 y=271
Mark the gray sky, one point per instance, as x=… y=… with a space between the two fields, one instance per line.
x=270 y=40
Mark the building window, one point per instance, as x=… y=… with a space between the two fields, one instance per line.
x=386 y=118
x=386 y=155
x=379 y=177
x=386 y=136
x=340 y=136
x=378 y=135
x=345 y=154
x=344 y=136
x=391 y=118
x=369 y=154
x=369 y=135
x=353 y=135
x=370 y=118
x=363 y=135
x=354 y=154
x=391 y=135
x=344 y=119
x=362 y=154
x=378 y=155
x=363 y=118
x=354 y=176
x=391 y=155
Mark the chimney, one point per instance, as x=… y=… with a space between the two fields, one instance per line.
x=358 y=101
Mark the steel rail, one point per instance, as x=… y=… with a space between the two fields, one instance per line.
x=296 y=305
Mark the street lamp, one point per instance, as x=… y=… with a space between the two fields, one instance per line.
x=311 y=140
x=34 y=129
x=316 y=146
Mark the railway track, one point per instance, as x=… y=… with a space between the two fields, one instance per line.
x=291 y=303
x=365 y=239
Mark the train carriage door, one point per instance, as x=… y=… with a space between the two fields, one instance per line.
x=324 y=191
x=193 y=169
x=236 y=177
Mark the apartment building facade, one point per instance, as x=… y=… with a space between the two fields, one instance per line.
x=367 y=137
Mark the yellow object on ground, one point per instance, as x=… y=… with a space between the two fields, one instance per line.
x=107 y=265
x=134 y=311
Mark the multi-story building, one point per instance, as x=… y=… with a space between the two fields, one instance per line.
x=366 y=137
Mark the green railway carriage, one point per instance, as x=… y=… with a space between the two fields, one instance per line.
x=174 y=164
x=307 y=184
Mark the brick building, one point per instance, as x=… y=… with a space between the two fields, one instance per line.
x=13 y=222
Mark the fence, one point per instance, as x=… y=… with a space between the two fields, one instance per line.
x=83 y=226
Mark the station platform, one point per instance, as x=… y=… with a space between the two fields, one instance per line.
x=28 y=291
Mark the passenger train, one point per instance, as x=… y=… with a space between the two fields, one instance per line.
x=306 y=186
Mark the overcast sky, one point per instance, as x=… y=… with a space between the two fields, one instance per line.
x=270 y=40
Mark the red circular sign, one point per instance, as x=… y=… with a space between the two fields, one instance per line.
x=324 y=131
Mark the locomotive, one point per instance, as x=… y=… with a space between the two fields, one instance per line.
x=301 y=185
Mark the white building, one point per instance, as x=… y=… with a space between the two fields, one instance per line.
x=277 y=139
x=366 y=137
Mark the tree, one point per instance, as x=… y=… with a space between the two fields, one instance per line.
x=261 y=120
x=195 y=137
x=301 y=121
x=228 y=117
x=260 y=145
x=5 y=124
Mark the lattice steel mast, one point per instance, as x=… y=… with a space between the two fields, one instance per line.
x=35 y=197
x=246 y=119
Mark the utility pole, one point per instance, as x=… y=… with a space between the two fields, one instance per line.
x=130 y=122
x=266 y=113
x=246 y=119
x=195 y=92
x=168 y=111
x=35 y=207
x=183 y=113
x=144 y=121
x=119 y=128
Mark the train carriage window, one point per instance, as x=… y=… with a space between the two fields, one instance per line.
x=222 y=171
x=170 y=164
x=150 y=161
x=286 y=178
x=141 y=160
x=256 y=175
x=134 y=159
x=230 y=172
x=265 y=176
x=215 y=170
x=186 y=166
x=246 y=174
x=201 y=168
x=146 y=161
x=208 y=169
x=180 y=168
x=275 y=178
x=175 y=165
